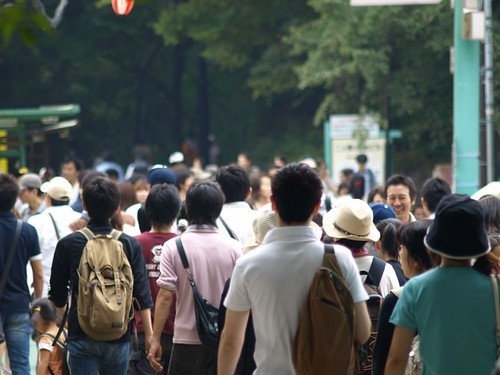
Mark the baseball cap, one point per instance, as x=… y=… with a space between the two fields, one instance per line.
x=58 y=188
x=30 y=180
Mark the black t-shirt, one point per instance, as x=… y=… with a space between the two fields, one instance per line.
x=15 y=298
x=385 y=329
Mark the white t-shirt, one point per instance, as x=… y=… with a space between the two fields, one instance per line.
x=63 y=216
x=273 y=281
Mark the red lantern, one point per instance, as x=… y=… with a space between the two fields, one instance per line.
x=122 y=7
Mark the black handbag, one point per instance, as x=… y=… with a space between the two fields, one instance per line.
x=6 y=270
x=206 y=314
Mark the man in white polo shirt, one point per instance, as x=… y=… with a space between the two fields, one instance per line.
x=273 y=280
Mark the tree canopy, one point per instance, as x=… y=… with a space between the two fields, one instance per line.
x=262 y=76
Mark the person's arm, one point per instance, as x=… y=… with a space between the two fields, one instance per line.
x=43 y=362
x=162 y=311
x=362 y=323
x=145 y=315
x=36 y=267
x=231 y=341
x=398 y=354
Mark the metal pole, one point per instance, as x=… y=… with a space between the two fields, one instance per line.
x=465 y=109
x=488 y=93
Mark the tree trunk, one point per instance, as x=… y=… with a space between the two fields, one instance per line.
x=203 y=109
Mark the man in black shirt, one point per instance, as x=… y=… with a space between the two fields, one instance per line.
x=87 y=356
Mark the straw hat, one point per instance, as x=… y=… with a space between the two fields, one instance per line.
x=263 y=223
x=353 y=221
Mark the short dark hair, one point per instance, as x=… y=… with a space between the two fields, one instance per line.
x=411 y=236
x=55 y=202
x=388 y=229
x=234 y=182
x=76 y=161
x=375 y=191
x=362 y=159
x=433 y=190
x=399 y=179
x=163 y=204
x=204 y=201
x=353 y=245
x=9 y=190
x=101 y=198
x=88 y=176
x=297 y=189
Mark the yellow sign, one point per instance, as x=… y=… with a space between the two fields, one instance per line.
x=4 y=164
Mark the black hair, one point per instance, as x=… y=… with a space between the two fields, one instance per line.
x=399 y=179
x=341 y=186
x=78 y=163
x=234 y=183
x=112 y=173
x=101 y=198
x=362 y=159
x=389 y=243
x=56 y=202
x=204 y=201
x=88 y=176
x=433 y=190
x=491 y=213
x=45 y=308
x=411 y=236
x=181 y=175
x=371 y=195
x=353 y=245
x=163 y=204
x=9 y=190
x=297 y=189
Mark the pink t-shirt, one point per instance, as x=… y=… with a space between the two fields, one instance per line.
x=211 y=257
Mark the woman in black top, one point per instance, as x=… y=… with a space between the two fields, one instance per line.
x=414 y=260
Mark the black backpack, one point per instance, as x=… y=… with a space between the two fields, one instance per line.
x=371 y=285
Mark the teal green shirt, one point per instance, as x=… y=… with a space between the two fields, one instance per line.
x=452 y=310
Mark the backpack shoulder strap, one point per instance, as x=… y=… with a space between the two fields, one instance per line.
x=115 y=234
x=87 y=233
x=56 y=340
x=330 y=259
x=375 y=272
x=397 y=292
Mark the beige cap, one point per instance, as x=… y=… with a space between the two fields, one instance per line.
x=58 y=188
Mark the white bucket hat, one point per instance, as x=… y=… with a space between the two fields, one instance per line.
x=353 y=220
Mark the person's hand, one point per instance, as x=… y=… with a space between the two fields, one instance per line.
x=78 y=224
x=154 y=355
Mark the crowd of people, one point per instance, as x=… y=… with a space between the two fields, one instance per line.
x=422 y=287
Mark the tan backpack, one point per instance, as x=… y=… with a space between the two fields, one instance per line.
x=105 y=286
x=324 y=342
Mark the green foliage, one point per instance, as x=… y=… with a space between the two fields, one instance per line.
x=19 y=18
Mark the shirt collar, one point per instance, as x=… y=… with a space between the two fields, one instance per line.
x=205 y=228
x=297 y=233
